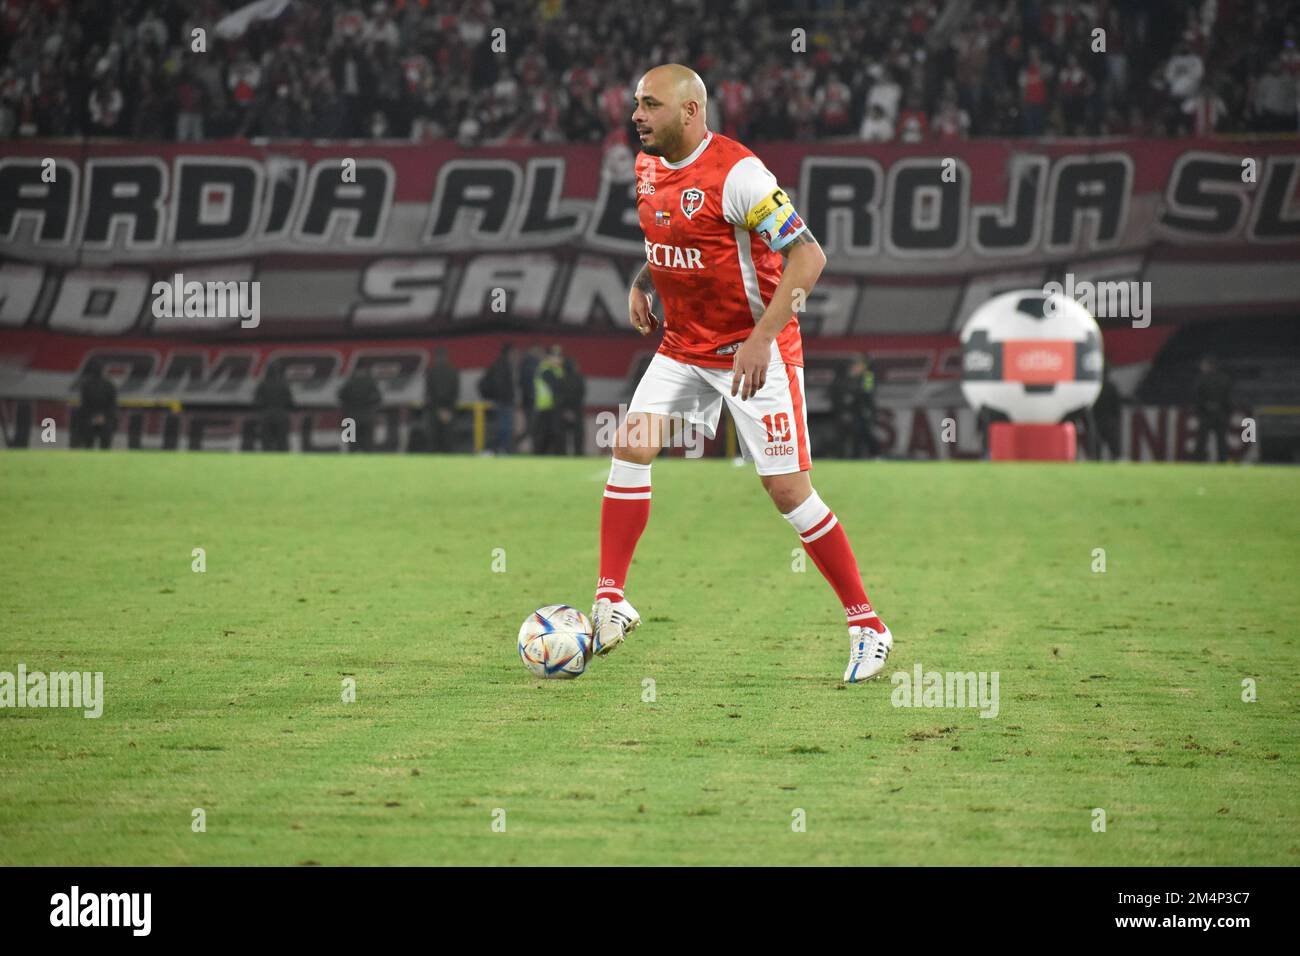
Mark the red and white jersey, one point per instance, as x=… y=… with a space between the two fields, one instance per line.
x=713 y=225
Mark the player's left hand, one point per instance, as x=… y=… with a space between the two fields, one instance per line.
x=749 y=370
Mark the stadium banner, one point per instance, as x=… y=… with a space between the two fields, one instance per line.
x=1146 y=432
x=178 y=394
x=340 y=249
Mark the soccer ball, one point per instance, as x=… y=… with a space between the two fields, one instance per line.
x=555 y=641
x=1034 y=356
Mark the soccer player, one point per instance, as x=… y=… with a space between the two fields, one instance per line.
x=717 y=226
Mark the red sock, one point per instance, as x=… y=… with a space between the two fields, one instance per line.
x=824 y=539
x=623 y=516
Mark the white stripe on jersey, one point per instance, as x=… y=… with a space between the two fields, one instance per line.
x=748 y=274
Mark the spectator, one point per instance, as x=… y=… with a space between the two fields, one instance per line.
x=329 y=112
x=734 y=97
x=853 y=400
x=832 y=103
x=273 y=400
x=1212 y=398
x=189 y=109
x=572 y=403
x=98 y=407
x=548 y=386
x=243 y=80
x=360 y=399
x=279 y=118
x=441 y=393
x=105 y=107
x=150 y=113
x=885 y=93
x=430 y=71
x=1274 y=102
x=951 y=122
x=1206 y=111
x=528 y=387
x=1106 y=420
x=1077 y=89
x=498 y=387
x=354 y=83
x=1182 y=80
x=1033 y=80
x=913 y=125
x=876 y=128
x=382 y=31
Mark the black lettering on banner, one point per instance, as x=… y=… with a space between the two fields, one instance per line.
x=398 y=291
x=614 y=223
x=99 y=301
x=124 y=190
x=393 y=369
x=528 y=279
x=215 y=200
x=284 y=187
x=1094 y=188
x=595 y=295
x=1017 y=228
x=1205 y=197
x=23 y=195
x=20 y=291
x=1274 y=221
x=484 y=191
x=543 y=215
x=363 y=206
x=130 y=369
x=308 y=372
x=840 y=200
x=180 y=367
x=188 y=371
x=927 y=216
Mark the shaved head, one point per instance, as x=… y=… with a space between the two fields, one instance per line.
x=681 y=83
x=671 y=110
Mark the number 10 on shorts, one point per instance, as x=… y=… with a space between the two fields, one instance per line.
x=778 y=426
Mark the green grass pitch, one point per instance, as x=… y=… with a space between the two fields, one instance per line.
x=223 y=690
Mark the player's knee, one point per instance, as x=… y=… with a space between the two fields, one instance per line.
x=635 y=441
x=626 y=449
x=787 y=497
x=637 y=456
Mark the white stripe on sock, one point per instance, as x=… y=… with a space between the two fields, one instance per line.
x=805 y=516
x=820 y=531
x=628 y=474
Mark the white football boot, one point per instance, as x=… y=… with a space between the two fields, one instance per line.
x=868 y=652
x=610 y=623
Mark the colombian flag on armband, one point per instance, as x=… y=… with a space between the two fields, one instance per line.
x=775 y=220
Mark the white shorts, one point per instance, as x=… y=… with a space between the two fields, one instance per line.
x=772 y=424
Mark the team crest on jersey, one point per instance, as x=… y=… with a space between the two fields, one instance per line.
x=692 y=200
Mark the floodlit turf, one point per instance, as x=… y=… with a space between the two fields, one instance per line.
x=223 y=690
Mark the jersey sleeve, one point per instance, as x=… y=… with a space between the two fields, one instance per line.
x=753 y=200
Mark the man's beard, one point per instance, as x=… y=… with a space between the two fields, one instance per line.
x=663 y=143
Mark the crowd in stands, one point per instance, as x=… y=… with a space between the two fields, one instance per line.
x=500 y=71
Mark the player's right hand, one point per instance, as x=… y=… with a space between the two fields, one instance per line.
x=638 y=307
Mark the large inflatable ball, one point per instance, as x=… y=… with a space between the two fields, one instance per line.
x=1035 y=357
